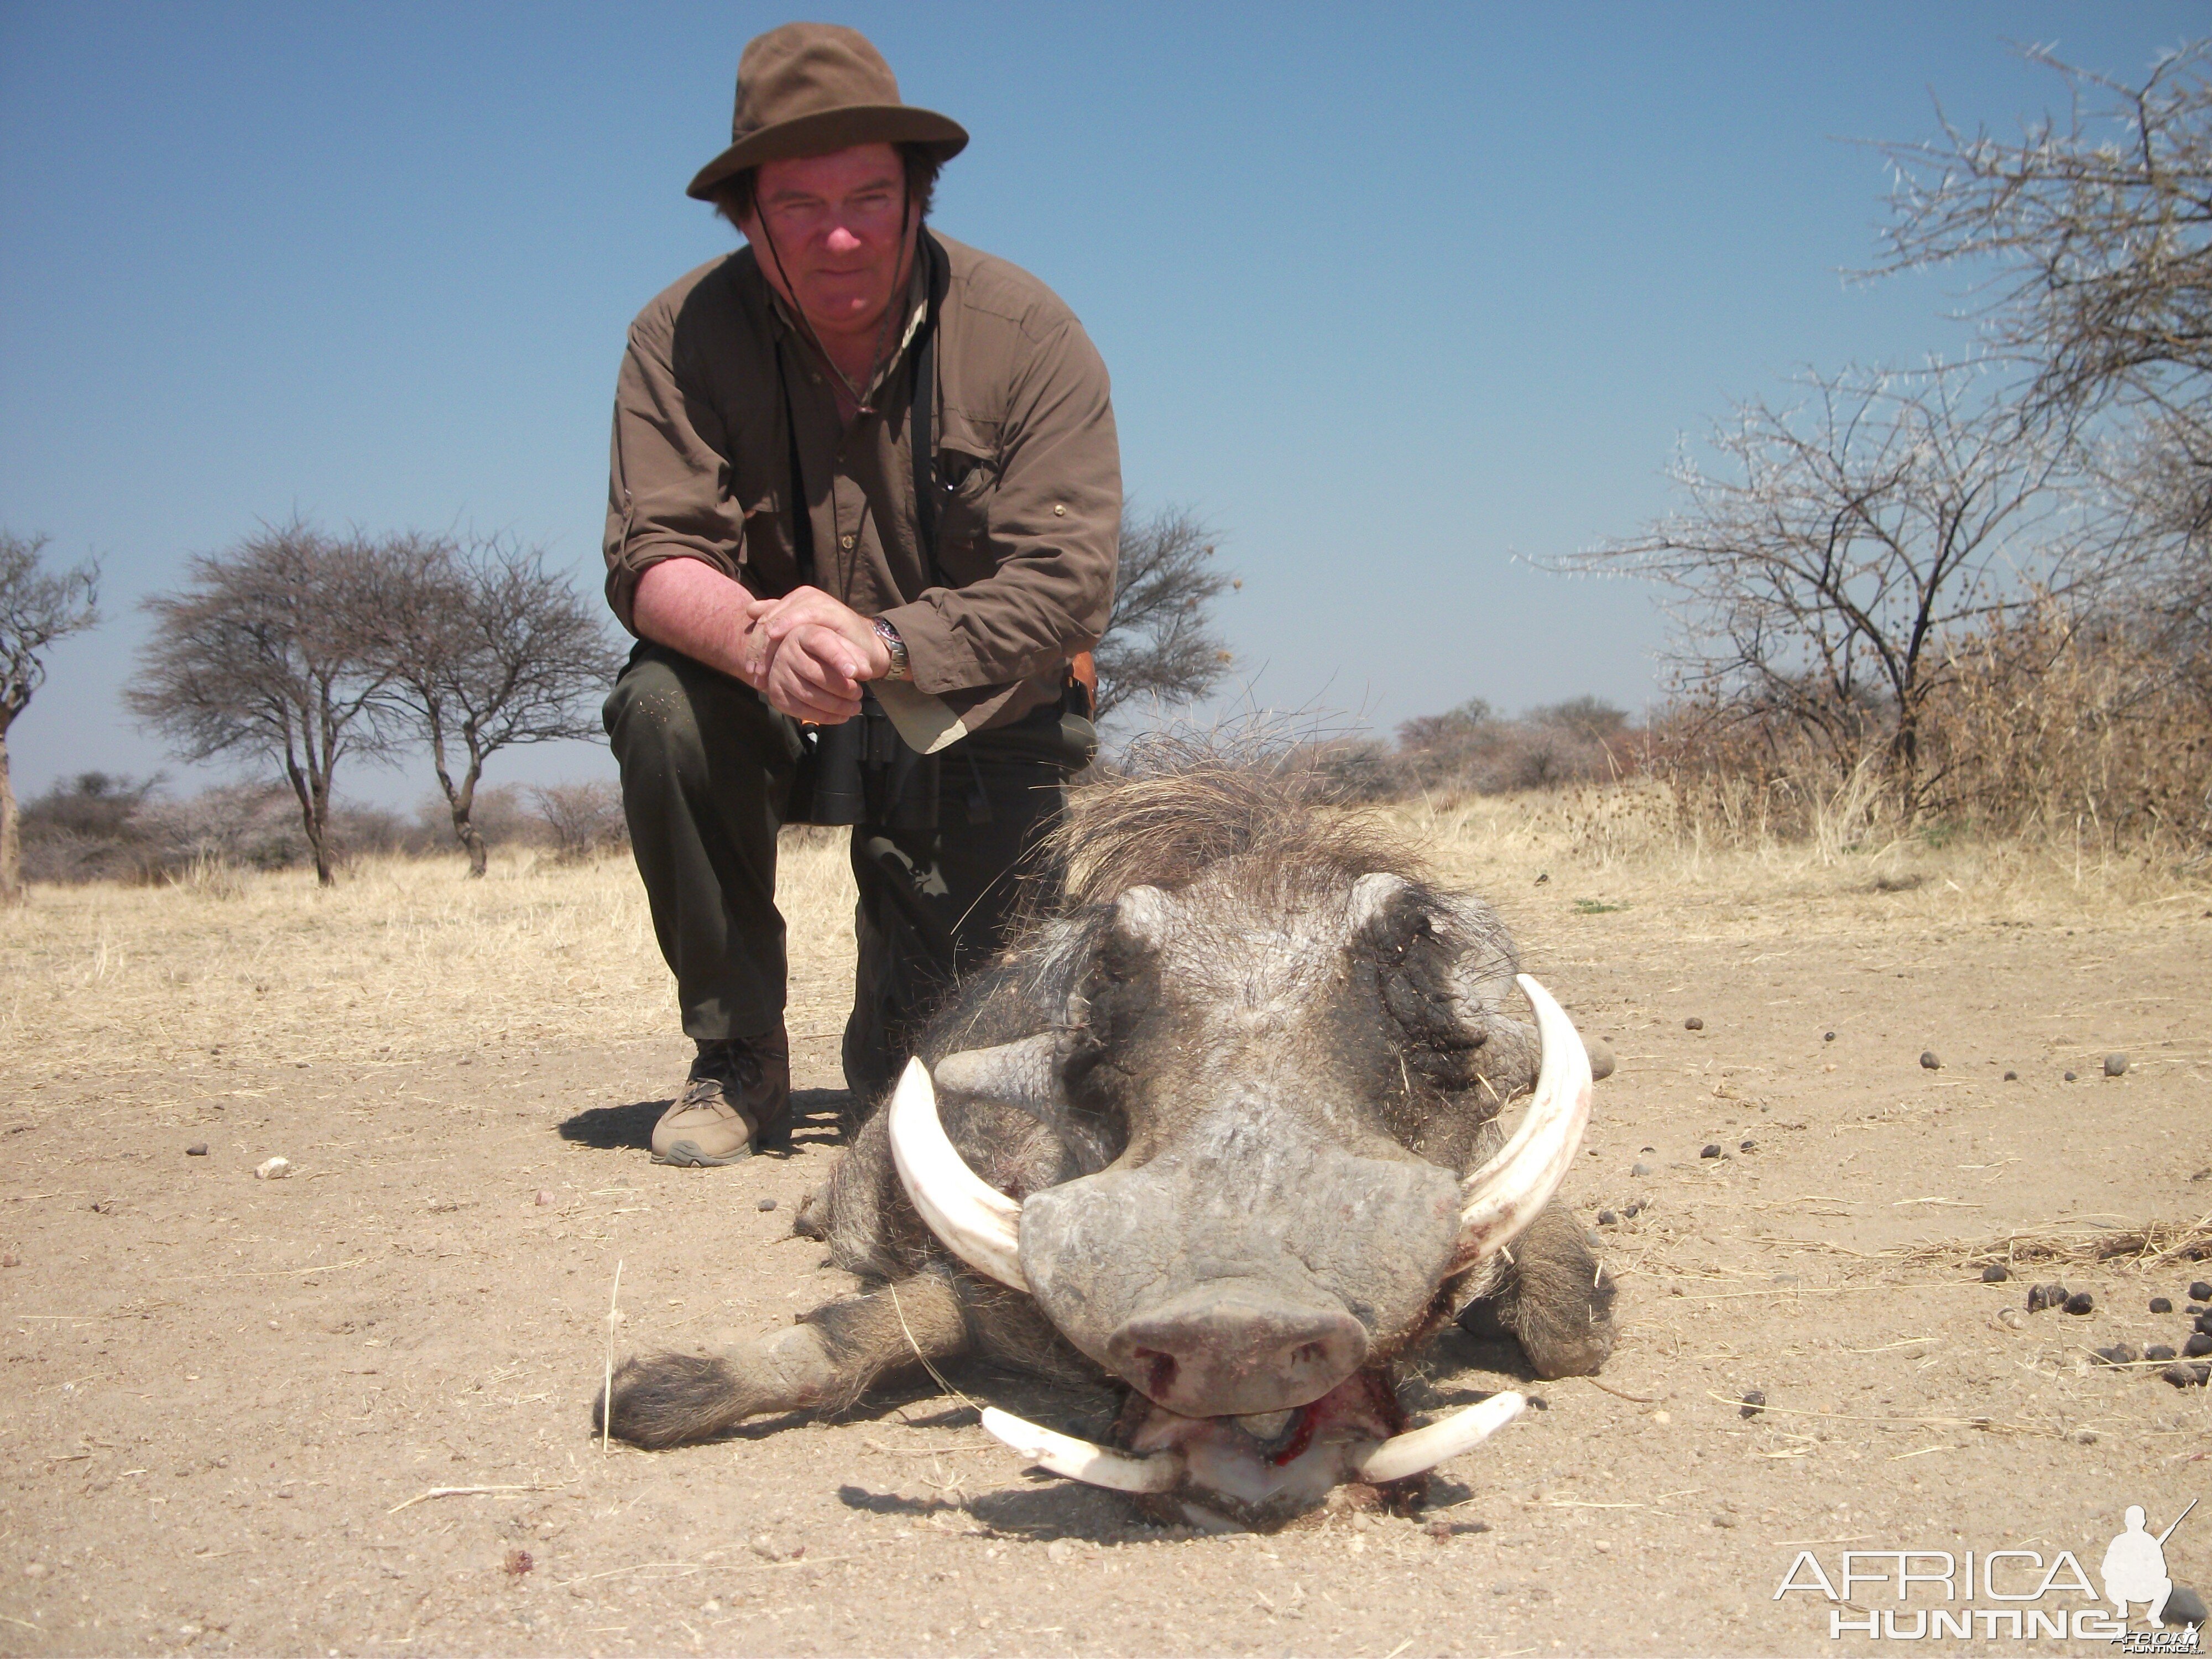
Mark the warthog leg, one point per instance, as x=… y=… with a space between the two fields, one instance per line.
x=824 y=1362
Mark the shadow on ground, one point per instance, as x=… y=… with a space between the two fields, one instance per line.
x=815 y=1118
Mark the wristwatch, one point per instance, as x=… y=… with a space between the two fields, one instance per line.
x=892 y=643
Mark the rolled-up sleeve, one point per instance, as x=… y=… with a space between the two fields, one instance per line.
x=1055 y=533
x=666 y=488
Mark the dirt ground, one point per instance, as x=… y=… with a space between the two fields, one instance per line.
x=346 y=1410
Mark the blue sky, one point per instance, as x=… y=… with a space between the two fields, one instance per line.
x=1391 y=294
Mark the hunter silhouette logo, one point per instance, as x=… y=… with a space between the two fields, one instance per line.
x=2023 y=1596
x=2135 y=1566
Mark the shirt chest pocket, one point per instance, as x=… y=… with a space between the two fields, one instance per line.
x=967 y=482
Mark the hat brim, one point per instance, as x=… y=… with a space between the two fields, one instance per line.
x=831 y=130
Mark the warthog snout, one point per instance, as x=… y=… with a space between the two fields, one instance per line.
x=1223 y=1350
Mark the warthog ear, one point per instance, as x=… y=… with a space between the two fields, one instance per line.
x=1024 y=1074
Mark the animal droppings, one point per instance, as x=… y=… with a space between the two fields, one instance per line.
x=2046 y=1296
x=2116 y=1064
x=1747 y=1146
x=2162 y=1304
x=2080 y=1302
x=2187 y=1377
x=197 y=1149
x=764 y=1204
x=1693 y=1024
x=2159 y=1351
x=2069 y=1077
x=1633 y=1208
x=272 y=1169
x=1827 y=1036
x=1928 y=1062
x=2193 y=1309
x=2200 y=1291
x=2012 y=1077
x=2197 y=1346
x=1608 y=1218
x=1712 y=1149
x=1754 y=1402
x=1996 y=1273
x=2204 y=1323
x=1639 y=1169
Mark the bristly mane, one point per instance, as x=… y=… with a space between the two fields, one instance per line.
x=1167 y=823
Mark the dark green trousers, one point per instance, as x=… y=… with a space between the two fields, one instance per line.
x=707 y=768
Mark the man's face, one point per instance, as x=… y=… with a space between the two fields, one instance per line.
x=835 y=220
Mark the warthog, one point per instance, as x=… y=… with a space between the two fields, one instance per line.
x=1223 y=1129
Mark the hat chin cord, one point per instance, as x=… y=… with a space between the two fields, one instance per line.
x=883 y=329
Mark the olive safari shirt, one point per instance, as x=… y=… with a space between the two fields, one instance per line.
x=1028 y=473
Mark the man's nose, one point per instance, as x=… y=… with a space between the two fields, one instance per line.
x=840 y=240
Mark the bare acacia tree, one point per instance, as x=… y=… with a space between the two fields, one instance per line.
x=38 y=608
x=269 y=652
x=486 y=650
x=2099 y=232
x=1817 y=575
x=1160 y=642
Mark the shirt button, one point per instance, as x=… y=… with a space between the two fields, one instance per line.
x=845 y=541
x=1059 y=511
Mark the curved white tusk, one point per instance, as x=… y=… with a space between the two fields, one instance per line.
x=1404 y=1454
x=976 y=1222
x=1079 y=1459
x=1505 y=1195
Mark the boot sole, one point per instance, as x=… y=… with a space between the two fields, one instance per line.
x=684 y=1155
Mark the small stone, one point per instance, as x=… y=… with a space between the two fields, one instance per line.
x=1654 y=1149
x=1608 y=1218
x=1996 y=1273
x=2041 y=1297
x=1754 y=1401
x=1639 y=1170
x=2162 y=1304
x=2187 y=1377
x=2185 y=1605
x=710 y=1607
x=1601 y=1059
x=1827 y=1036
x=2012 y=1077
x=9 y=1259
x=1723 y=1519
x=517 y=1562
x=1059 y=1550
x=272 y=1169
x=35 y=1570
x=1747 y=1146
x=2200 y=1291
x=1712 y=1149
x=2069 y=1077
x=764 y=1204
x=2197 y=1346
x=1693 y=1024
x=765 y=1547
x=544 y=1199
x=197 y=1149
x=2119 y=1354
x=2080 y=1302
x=1928 y=1062
x=2086 y=1438
x=2116 y=1064
x=1634 y=1207
x=2159 y=1351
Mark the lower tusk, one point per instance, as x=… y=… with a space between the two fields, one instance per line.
x=1405 y=1454
x=974 y=1220
x=1079 y=1459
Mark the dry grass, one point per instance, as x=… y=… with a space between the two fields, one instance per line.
x=2076 y=1243
x=407 y=960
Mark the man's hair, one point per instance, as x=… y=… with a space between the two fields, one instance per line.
x=733 y=196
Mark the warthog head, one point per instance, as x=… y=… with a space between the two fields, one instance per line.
x=1278 y=1069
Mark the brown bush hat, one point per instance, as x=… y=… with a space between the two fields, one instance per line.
x=813 y=88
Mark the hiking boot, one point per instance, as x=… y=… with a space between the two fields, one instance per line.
x=736 y=1102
